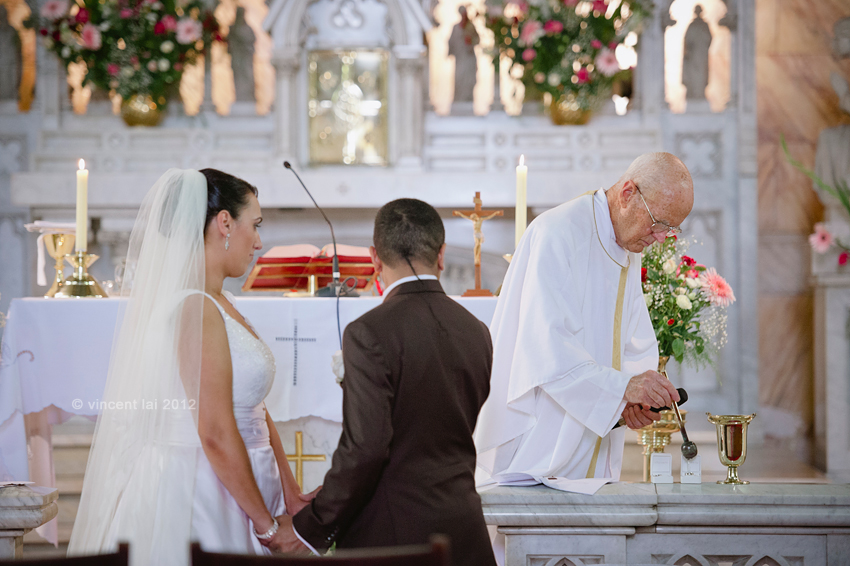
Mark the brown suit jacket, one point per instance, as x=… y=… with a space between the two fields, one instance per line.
x=417 y=370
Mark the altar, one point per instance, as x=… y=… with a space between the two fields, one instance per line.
x=55 y=358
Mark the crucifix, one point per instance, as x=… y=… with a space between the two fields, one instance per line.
x=299 y=458
x=478 y=216
x=295 y=340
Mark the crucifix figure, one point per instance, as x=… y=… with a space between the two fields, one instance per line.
x=478 y=216
x=295 y=340
x=299 y=458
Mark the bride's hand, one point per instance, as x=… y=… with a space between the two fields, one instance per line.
x=301 y=501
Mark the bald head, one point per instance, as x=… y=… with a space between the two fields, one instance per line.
x=665 y=184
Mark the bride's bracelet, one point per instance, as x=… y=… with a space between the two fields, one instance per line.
x=269 y=533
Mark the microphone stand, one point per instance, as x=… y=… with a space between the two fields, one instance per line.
x=335 y=288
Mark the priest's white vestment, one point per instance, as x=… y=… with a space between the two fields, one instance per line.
x=555 y=394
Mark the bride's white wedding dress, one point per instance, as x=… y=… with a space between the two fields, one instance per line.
x=218 y=522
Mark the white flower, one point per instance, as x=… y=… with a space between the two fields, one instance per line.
x=164 y=65
x=151 y=65
x=647 y=297
x=167 y=46
x=683 y=302
x=66 y=52
x=151 y=17
x=554 y=79
x=188 y=31
x=692 y=283
x=692 y=296
x=127 y=72
x=669 y=266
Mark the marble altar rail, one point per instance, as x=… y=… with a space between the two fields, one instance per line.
x=685 y=525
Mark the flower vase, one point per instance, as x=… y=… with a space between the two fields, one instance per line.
x=566 y=111
x=141 y=110
x=655 y=437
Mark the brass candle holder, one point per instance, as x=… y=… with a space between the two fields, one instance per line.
x=80 y=283
x=731 y=443
x=58 y=246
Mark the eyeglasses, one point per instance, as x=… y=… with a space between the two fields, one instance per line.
x=658 y=226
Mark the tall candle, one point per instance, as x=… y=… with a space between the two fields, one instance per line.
x=521 y=206
x=82 y=207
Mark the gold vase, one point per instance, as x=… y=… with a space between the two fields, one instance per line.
x=655 y=437
x=141 y=110
x=58 y=246
x=566 y=111
x=731 y=443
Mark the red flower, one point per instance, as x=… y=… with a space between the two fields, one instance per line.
x=671 y=322
x=842 y=258
x=583 y=75
x=689 y=261
x=56 y=35
x=159 y=28
x=612 y=46
x=600 y=6
x=643 y=275
x=596 y=44
x=553 y=26
x=82 y=16
x=112 y=69
x=43 y=31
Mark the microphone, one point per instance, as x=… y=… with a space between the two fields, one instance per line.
x=334 y=288
x=683 y=398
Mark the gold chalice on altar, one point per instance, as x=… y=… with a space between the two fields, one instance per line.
x=80 y=283
x=731 y=443
x=58 y=246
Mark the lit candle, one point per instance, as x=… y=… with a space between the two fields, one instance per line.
x=521 y=206
x=82 y=207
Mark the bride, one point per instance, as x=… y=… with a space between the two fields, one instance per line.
x=188 y=451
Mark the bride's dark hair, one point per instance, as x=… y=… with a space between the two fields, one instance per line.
x=225 y=192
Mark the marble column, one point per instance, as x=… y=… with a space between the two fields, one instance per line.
x=409 y=109
x=287 y=110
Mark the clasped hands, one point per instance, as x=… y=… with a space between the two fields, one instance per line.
x=644 y=391
x=285 y=541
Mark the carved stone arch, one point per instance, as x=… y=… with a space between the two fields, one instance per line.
x=766 y=560
x=686 y=559
x=559 y=561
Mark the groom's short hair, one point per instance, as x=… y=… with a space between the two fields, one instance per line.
x=408 y=229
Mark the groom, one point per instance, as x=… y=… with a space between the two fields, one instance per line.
x=417 y=370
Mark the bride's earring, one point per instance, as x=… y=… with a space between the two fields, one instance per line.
x=227 y=243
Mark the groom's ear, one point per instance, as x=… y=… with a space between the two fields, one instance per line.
x=376 y=261
x=441 y=258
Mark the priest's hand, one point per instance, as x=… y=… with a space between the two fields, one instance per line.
x=636 y=416
x=285 y=539
x=651 y=389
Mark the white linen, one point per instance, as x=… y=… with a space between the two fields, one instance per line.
x=45 y=227
x=408 y=279
x=553 y=391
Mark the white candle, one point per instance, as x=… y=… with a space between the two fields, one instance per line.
x=521 y=206
x=82 y=208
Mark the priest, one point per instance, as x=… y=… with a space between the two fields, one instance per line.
x=574 y=348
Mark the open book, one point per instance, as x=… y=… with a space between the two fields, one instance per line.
x=303 y=266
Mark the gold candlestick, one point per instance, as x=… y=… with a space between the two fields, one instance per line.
x=731 y=443
x=58 y=246
x=80 y=283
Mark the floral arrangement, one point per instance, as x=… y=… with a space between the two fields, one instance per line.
x=566 y=47
x=687 y=303
x=128 y=46
x=822 y=239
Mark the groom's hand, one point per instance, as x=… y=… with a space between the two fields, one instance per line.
x=304 y=499
x=285 y=540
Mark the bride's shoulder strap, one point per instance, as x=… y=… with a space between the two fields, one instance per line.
x=188 y=293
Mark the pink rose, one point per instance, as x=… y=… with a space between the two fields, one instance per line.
x=600 y=6
x=90 y=37
x=126 y=13
x=531 y=32
x=112 y=69
x=583 y=75
x=82 y=16
x=529 y=55
x=188 y=30
x=596 y=44
x=170 y=23
x=54 y=9
x=553 y=27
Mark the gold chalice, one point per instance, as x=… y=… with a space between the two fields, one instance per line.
x=731 y=443
x=58 y=245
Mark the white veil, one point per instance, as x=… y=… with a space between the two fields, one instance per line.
x=139 y=481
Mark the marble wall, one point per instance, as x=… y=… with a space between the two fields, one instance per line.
x=793 y=64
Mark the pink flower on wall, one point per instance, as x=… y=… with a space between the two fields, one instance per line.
x=553 y=26
x=188 y=31
x=716 y=288
x=821 y=240
x=54 y=9
x=90 y=37
x=607 y=63
x=531 y=32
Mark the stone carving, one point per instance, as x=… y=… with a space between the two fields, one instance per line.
x=348 y=16
x=695 y=57
x=462 y=44
x=240 y=42
x=700 y=152
x=10 y=155
x=10 y=58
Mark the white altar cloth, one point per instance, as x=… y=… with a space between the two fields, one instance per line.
x=55 y=352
